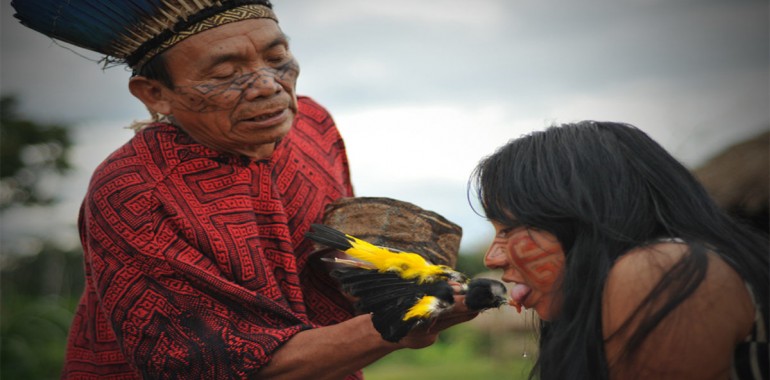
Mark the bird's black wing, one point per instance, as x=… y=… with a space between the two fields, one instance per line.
x=329 y=237
x=386 y=295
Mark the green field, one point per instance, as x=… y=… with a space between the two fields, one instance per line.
x=36 y=309
x=463 y=352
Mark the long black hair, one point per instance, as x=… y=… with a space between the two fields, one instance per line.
x=602 y=189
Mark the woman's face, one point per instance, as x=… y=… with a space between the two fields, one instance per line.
x=533 y=260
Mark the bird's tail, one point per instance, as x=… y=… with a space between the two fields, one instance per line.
x=350 y=263
x=353 y=246
x=329 y=236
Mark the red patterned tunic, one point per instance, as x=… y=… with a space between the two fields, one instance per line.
x=196 y=265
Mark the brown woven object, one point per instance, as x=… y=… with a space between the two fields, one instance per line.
x=396 y=224
x=738 y=179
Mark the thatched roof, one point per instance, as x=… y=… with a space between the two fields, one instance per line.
x=738 y=178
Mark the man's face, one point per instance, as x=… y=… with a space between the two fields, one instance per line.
x=234 y=87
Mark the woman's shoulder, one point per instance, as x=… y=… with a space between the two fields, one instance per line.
x=638 y=272
x=707 y=323
x=650 y=261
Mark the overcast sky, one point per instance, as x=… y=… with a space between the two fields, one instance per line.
x=421 y=90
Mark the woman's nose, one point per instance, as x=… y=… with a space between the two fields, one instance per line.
x=496 y=257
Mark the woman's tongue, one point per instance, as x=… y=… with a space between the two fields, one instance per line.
x=520 y=292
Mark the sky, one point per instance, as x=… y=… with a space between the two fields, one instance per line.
x=422 y=90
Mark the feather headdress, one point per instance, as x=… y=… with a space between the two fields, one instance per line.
x=133 y=31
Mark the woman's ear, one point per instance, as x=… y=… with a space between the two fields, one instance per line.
x=152 y=93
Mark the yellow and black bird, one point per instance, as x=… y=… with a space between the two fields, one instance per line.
x=401 y=289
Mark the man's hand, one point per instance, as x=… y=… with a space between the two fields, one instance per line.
x=425 y=335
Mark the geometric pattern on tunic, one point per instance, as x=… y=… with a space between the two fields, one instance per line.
x=196 y=263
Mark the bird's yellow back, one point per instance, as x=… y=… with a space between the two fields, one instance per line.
x=408 y=265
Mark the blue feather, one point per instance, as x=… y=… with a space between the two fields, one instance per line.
x=91 y=24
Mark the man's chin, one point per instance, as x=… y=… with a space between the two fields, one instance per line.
x=274 y=134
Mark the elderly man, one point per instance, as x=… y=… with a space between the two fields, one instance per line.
x=193 y=231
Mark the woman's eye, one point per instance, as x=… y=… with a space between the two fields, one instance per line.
x=502 y=233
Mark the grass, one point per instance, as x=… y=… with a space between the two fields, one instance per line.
x=34 y=336
x=461 y=353
x=470 y=367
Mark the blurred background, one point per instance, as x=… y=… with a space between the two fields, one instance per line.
x=420 y=91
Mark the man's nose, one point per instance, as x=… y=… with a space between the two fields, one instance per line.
x=264 y=84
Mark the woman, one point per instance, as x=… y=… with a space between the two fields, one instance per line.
x=633 y=270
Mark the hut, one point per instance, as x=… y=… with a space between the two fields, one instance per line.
x=738 y=178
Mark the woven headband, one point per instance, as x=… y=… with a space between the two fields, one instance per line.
x=244 y=12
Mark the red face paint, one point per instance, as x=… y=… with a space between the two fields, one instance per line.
x=533 y=260
x=538 y=258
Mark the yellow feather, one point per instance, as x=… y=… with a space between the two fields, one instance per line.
x=407 y=265
x=422 y=309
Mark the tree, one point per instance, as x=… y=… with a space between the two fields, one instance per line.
x=38 y=292
x=28 y=152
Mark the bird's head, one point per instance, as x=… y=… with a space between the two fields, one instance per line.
x=484 y=293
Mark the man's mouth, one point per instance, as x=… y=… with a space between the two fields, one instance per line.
x=266 y=116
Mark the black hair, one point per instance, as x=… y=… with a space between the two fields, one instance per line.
x=603 y=188
x=156 y=67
